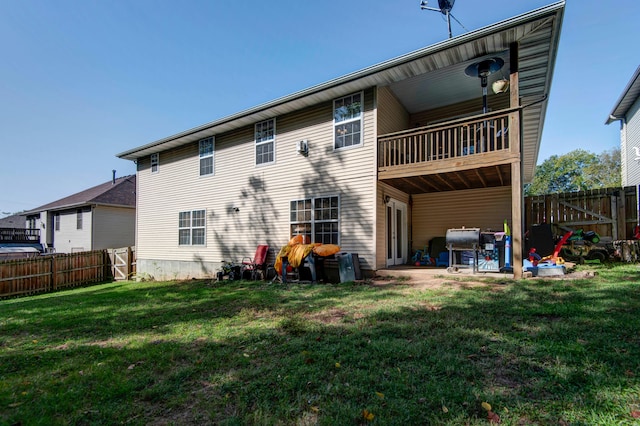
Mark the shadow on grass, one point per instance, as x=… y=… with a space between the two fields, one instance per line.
x=247 y=353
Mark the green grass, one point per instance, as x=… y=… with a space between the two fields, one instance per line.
x=541 y=352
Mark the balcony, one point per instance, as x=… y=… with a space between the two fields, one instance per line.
x=471 y=152
x=19 y=235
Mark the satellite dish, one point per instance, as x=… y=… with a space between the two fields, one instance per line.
x=444 y=7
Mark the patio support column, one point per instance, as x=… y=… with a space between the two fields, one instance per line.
x=517 y=199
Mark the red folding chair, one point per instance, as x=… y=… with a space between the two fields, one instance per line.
x=258 y=264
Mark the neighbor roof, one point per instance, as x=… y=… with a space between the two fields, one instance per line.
x=121 y=193
x=13 y=221
x=537 y=32
x=627 y=99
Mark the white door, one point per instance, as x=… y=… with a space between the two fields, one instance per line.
x=396 y=232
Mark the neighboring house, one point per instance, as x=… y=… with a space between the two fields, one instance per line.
x=378 y=161
x=627 y=111
x=97 y=218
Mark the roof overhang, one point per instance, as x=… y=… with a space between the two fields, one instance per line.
x=438 y=69
x=62 y=207
x=627 y=99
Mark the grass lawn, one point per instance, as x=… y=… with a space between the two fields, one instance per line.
x=539 y=352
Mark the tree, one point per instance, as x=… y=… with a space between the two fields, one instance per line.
x=577 y=170
x=606 y=173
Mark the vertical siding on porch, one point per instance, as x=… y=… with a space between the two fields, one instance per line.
x=434 y=213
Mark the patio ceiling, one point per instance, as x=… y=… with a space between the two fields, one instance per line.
x=485 y=177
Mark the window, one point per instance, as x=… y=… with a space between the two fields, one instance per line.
x=347 y=121
x=206 y=156
x=79 y=219
x=317 y=219
x=265 y=141
x=56 y=221
x=191 y=228
x=155 y=161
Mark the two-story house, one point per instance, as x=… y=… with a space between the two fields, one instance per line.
x=378 y=161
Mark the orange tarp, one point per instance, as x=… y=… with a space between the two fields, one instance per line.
x=296 y=252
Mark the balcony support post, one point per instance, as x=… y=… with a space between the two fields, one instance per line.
x=517 y=198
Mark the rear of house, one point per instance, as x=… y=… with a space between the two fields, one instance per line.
x=379 y=161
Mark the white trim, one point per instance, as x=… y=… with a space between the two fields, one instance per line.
x=264 y=142
x=313 y=219
x=359 y=119
x=202 y=157
x=191 y=227
x=155 y=162
x=392 y=241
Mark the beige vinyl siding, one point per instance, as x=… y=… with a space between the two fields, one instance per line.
x=261 y=193
x=391 y=115
x=434 y=213
x=113 y=227
x=69 y=239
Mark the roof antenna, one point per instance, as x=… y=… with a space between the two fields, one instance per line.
x=444 y=7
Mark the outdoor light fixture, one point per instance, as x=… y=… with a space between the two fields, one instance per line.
x=500 y=86
x=482 y=70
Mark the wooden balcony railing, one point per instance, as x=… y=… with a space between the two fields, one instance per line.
x=19 y=235
x=475 y=135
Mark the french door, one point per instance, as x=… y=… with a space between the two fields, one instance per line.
x=396 y=232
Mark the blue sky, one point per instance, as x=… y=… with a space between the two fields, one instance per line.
x=82 y=80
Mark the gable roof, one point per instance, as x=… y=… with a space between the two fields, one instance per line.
x=120 y=192
x=629 y=96
x=433 y=73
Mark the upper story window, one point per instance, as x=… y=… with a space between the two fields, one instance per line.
x=265 y=141
x=206 y=156
x=155 y=162
x=79 y=219
x=191 y=228
x=347 y=121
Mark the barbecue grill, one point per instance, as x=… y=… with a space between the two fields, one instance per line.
x=463 y=240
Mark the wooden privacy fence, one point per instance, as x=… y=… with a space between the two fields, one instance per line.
x=52 y=272
x=611 y=212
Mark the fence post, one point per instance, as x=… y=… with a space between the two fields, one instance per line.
x=129 y=261
x=53 y=272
